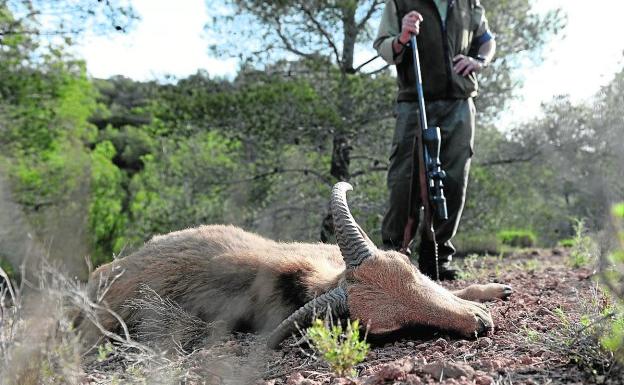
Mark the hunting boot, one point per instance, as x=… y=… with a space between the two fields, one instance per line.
x=426 y=261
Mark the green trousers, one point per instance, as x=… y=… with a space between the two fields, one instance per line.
x=456 y=119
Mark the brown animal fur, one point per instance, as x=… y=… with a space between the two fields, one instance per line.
x=252 y=283
x=401 y=296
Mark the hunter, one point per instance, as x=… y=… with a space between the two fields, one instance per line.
x=454 y=44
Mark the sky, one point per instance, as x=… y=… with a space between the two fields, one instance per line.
x=586 y=57
x=170 y=40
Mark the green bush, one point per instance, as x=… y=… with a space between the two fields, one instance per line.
x=613 y=339
x=517 y=238
x=341 y=349
x=584 y=249
x=480 y=243
x=107 y=221
x=7 y=267
x=567 y=243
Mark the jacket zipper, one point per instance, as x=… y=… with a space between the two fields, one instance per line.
x=447 y=59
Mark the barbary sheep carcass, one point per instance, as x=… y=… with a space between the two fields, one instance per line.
x=249 y=283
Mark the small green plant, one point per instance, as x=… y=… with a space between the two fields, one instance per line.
x=583 y=250
x=618 y=217
x=7 y=267
x=531 y=265
x=517 y=238
x=532 y=335
x=137 y=373
x=104 y=351
x=469 y=269
x=341 y=349
x=563 y=317
x=613 y=338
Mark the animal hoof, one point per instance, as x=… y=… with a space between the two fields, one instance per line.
x=484 y=326
x=507 y=291
x=481 y=320
x=494 y=291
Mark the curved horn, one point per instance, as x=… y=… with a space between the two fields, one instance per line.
x=354 y=245
x=335 y=300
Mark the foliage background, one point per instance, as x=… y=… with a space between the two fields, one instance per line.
x=94 y=167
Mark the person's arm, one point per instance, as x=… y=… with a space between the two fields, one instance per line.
x=484 y=39
x=391 y=38
x=487 y=51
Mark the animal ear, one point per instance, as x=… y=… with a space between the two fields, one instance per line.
x=334 y=300
x=354 y=244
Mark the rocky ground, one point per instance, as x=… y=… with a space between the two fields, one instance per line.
x=543 y=335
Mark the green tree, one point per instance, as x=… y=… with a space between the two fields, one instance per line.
x=183 y=186
x=521 y=35
x=324 y=37
x=545 y=174
x=44 y=130
x=45 y=102
x=67 y=19
x=107 y=220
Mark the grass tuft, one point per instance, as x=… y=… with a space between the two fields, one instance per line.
x=340 y=348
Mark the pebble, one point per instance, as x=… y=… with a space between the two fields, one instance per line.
x=442 y=369
x=485 y=342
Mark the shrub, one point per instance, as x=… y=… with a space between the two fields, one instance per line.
x=567 y=243
x=613 y=339
x=517 y=238
x=584 y=249
x=341 y=349
x=480 y=243
x=7 y=267
x=580 y=339
x=7 y=275
x=470 y=267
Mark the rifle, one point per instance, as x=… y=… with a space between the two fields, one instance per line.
x=430 y=173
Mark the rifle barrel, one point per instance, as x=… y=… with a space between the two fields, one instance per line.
x=419 y=88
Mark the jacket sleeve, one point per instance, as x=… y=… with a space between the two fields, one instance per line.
x=481 y=28
x=389 y=29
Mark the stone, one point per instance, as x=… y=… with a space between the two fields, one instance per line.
x=441 y=370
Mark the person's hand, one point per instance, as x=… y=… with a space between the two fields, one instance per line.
x=465 y=65
x=410 y=26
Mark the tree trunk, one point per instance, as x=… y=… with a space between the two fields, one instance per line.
x=341 y=150
x=350 y=35
x=340 y=171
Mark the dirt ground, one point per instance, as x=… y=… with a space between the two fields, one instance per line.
x=542 y=335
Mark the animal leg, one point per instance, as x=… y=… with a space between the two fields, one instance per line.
x=484 y=293
x=449 y=312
